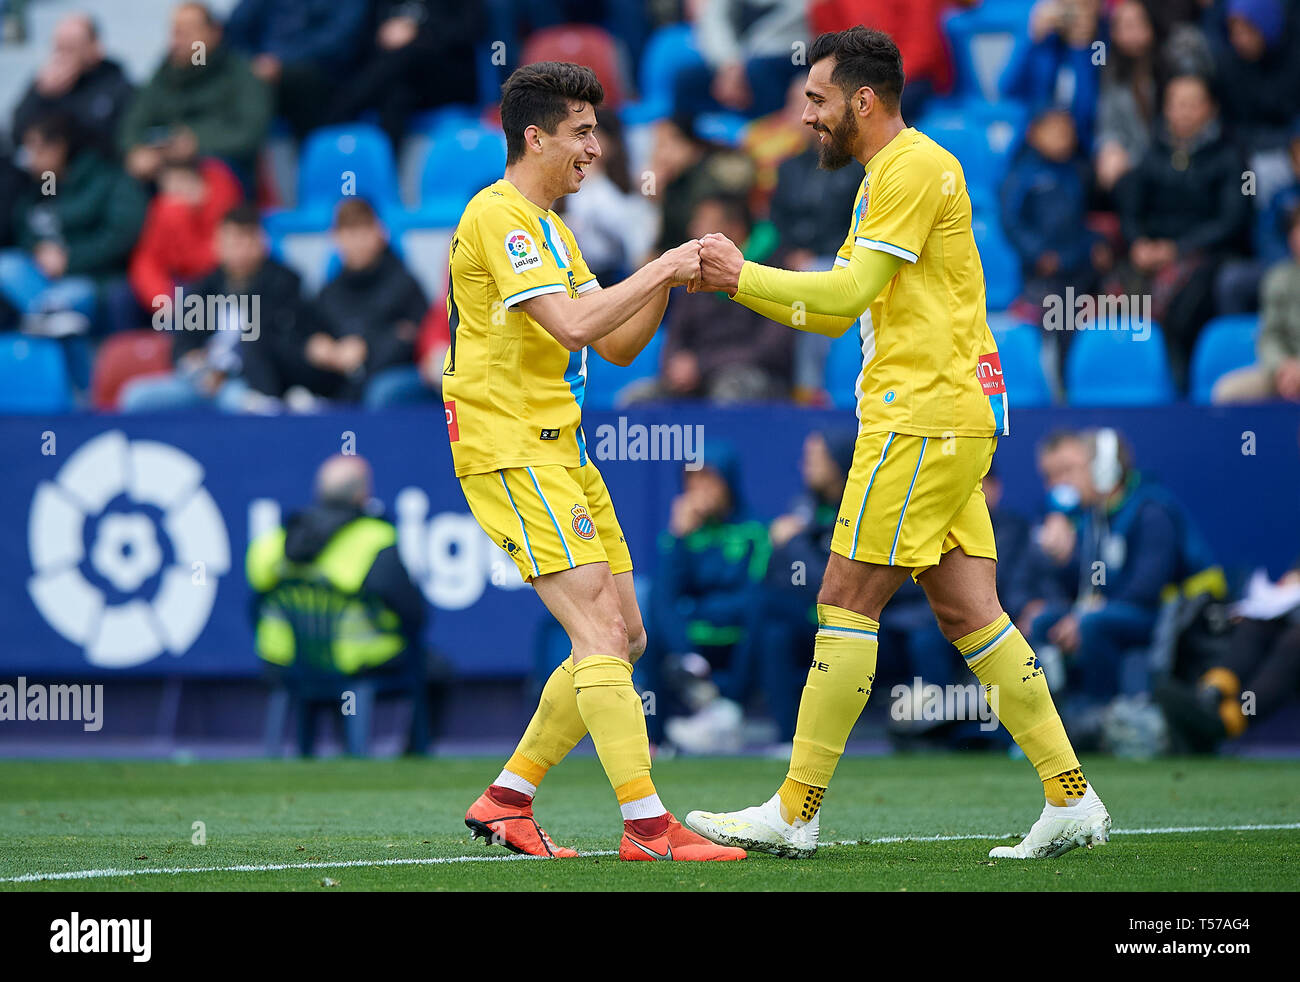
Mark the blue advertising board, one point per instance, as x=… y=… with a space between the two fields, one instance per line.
x=124 y=537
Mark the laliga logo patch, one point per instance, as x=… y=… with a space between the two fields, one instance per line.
x=521 y=251
x=127 y=547
x=582 y=523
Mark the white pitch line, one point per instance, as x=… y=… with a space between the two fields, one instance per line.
x=94 y=874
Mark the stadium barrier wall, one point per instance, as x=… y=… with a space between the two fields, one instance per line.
x=125 y=536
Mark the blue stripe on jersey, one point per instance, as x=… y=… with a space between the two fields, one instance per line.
x=1001 y=415
x=576 y=376
x=550 y=242
x=576 y=371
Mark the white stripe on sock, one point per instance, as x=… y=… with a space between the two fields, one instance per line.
x=514 y=782
x=647 y=807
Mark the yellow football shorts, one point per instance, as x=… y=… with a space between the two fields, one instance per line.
x=548 y=518
x=910 y=499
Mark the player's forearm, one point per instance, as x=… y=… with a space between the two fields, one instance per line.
x=602 y=312
x=628 y=340
x=827 y=325
x=845 y=291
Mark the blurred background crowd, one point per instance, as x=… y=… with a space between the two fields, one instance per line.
x=317 y=152
x=312 y=157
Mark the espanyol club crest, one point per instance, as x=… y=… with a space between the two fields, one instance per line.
x=582 y=523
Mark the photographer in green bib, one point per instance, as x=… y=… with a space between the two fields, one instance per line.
x=338 y=617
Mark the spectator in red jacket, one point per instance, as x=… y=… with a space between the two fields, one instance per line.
x=915 y=26
x=177 y=244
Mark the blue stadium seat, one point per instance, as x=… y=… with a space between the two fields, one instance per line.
x=1226 y=343
x=432 y=121
x=1020 y=347
x=982 y=40
x=357 y=148
x=33 y=376
x=605 y=381
x=360 y=150
x=982 y=137
x=462 y=160
x=668 y=50
x=843 y=366
x=1117 y=368
x=1001 y=264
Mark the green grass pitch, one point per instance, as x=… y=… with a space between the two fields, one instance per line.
x=306 y=819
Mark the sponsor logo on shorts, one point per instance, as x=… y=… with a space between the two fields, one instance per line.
x=453 y=426
x=989 y=371
x=582 y=523
x=550 y=435
x=521 y=250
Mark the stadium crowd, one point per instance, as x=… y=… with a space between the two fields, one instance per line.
x=1138 y=148
x=1168 y=132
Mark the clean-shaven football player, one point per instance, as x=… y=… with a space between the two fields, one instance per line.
x=523 y=308
x=931 y=406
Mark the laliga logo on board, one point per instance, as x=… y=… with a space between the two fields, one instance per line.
x=122 y=519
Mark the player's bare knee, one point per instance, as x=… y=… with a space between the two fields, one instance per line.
x=636 y=646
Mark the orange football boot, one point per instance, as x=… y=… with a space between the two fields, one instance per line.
x=678 y=843
x=513 y=827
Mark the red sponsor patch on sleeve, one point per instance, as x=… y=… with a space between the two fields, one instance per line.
x=453 y=427
x=989 y=371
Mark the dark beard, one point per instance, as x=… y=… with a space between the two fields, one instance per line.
x=837 y=152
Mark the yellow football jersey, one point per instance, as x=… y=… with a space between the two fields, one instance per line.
x=513 y=394
x=930 y=364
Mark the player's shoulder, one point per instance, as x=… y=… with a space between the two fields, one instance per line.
x=916 y=157
x=494 y=201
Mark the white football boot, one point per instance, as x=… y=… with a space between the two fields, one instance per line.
x=1061 y=828
x=760 y=827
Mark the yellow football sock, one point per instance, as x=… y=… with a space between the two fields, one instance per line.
x=1065 y=789
x=838 y=685
x=613 y=714
x=799 y=800
x=1014 y=685
x=555 y=729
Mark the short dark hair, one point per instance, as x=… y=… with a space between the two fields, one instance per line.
x=539 y=95
x=353 y=211
x=58 y=126
x=863 y=56
x=243 y=215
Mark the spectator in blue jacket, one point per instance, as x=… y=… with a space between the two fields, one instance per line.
x=1258 y=72
x=1126 y=544
x=1054 y=65
x=1274 y=224
x=301 y=48
x=1044 y=201
x=711 y=561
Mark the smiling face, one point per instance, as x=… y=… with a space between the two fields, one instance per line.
x=567 y=153
x=829 y=114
